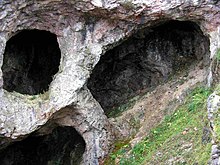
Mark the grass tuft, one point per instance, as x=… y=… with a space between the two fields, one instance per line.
x=177 y=140
x=218 y=55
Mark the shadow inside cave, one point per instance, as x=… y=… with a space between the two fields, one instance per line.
x=146 y=59
x=31 y=59
x=63 y=146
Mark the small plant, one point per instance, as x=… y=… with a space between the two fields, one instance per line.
x=218 y=55
x=217 y=89
x=182 y=127
x=120 y=109
x=120 y=147
x=198 y=98
x=216 y=128
x=217 y=59
x=216 y=116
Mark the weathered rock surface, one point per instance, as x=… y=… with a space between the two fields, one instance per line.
x=85 y=30
x=213 y=116
x=145 y=60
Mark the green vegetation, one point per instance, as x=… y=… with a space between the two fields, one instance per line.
x=128 y=5
x=217 y=89
x=117 y=152
x=118 y=110
x=217 y=126
x=216 y=118
x=182 y=138
x=198 y=99
x=218 y=55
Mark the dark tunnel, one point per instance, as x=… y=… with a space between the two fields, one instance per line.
x=63 y=146
x=31 y=59
x=146 y=59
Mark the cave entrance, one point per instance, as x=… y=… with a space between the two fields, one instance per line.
x=63 y=146
x=31 y=59
x=146 y=59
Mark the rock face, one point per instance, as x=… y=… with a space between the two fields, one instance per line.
x=85 y=30
x=213 y=115
x=145 y=60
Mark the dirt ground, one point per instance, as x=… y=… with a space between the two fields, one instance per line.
x=149 y=110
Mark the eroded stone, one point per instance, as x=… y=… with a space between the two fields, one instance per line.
x=81 y=27
x=146 y=59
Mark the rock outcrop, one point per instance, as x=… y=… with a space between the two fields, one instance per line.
x=213 y=116
x=84 y=31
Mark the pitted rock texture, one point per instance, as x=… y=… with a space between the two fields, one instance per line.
x=85 y=30
x=213 y=106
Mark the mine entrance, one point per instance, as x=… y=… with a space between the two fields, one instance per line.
x=148 y=58
x=63 y=146
x=31 y=59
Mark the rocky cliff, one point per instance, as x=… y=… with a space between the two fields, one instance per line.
x=66 y=64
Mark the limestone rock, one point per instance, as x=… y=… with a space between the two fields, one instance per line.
x=85 y=30
x=213 y=106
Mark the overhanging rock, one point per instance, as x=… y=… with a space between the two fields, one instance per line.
x=84 y=30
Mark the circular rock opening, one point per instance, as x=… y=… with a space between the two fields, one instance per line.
x=63 y=146
x=31 y=59
x=148 y=58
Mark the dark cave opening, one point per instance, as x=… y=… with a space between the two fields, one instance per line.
x=31 y=59
x=63 y=146
x=146 y=59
